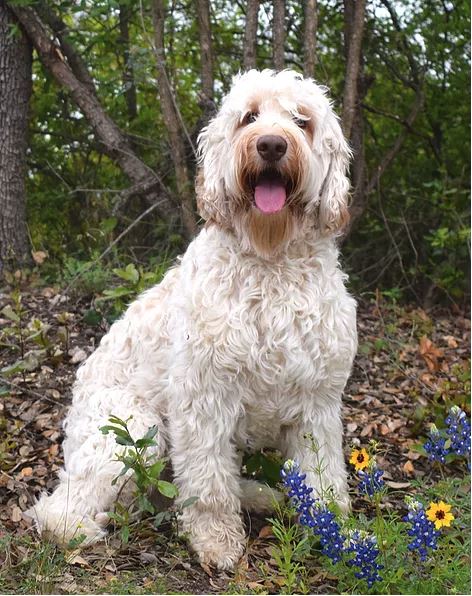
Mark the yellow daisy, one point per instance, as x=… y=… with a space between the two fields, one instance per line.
x=359 y=459
x=439 y=514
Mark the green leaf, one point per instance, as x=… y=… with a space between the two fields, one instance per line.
x=10 y=313
x=156 y=469
x=188 y=502
x=167 y=489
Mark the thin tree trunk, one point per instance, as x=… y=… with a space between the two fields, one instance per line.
x=174 y=127
x=309 y=41
x=206 y=53
x=354 y=11
x=15 y=92
x=278 y=34
x=112 y=139
x=128 y=72
x=355 y=87
x=250 y=34
x=206 y=57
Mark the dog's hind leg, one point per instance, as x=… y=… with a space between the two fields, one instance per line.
x=259 y=497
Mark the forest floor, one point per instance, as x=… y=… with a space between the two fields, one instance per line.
x=410 y=364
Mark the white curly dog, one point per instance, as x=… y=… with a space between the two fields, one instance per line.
x=247 y=342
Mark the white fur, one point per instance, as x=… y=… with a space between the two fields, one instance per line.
x=234 y=349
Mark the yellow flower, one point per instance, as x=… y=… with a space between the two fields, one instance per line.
x=439 y=514
x=359 y=459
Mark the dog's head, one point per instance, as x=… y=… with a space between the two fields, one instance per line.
x=273 y=161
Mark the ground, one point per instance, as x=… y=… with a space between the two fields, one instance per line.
x=410 y=364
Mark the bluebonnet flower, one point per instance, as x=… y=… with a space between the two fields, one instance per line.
x=365 y=550
x=314 y=513
x=298 y=492
x=327 y=528
x=422 y=530
x=435 y=446
x=458 y=430
x=371 y=481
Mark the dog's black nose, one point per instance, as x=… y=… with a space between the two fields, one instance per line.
x=271 y=147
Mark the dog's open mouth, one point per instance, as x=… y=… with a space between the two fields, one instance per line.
x=270 y=192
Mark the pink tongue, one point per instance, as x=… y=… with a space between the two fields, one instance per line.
x=270 y=197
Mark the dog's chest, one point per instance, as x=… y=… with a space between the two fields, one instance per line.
x=269 y=329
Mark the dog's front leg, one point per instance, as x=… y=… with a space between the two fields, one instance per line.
x=206 y=466
x=316 y=444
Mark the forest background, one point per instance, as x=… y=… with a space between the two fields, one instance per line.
x=101 y=103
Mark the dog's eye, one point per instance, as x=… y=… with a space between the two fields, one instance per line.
x=300 y=122
x=250 y=117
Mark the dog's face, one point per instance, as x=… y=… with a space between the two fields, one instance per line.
x=273 y=162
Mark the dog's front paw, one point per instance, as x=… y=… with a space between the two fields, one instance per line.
x=217 y=539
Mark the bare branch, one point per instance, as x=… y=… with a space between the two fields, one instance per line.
x=397 y=145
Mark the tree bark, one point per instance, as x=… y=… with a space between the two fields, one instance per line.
x=206 y=57
x=309 y=41
x=278 y=34
x=354 y=19
x=112 y=139
x=15 y=92
x=128 y=72
x=250 y=34
x=355 y=87
x=174 y=126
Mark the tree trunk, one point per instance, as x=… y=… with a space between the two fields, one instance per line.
x=309 y=41
x=128 y=73
x=278 y=34
x=174 y=125
x=355 y=87
x=354 y=21
x=206 y=57
x=250 y=34
x=15 y=91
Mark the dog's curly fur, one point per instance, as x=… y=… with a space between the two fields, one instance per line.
x=247 y=342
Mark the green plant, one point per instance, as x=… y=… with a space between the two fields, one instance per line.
x=289 y=552
x=135 y=279
x=146 y=469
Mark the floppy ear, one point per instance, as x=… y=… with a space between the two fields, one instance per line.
x=333 y=205
x=209 y=186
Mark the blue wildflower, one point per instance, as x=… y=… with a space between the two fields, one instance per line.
x=371 y=481
x=422 y=530
x=313 y=512
x=458 y=430
x=298 y=492
x=365 y=550
x=435 y=446
x=327 y=528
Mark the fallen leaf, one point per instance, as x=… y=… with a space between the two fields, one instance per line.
x=16 y=514
x=39 y=256
x=398 y=484
x=265 y=532
x=430 y=353
x=351 y=427
x=409 y=468
x=26 y=472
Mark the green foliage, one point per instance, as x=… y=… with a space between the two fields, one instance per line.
x=290 y=551
x=413 y=240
